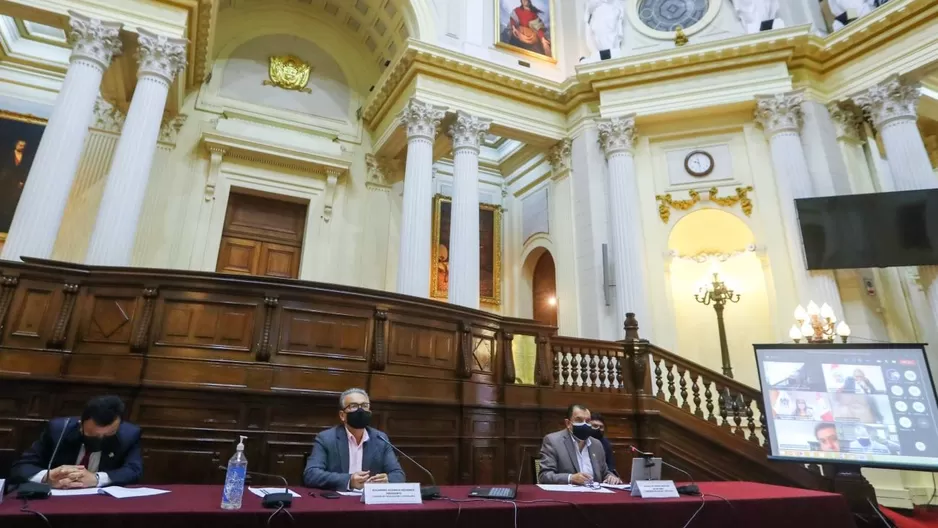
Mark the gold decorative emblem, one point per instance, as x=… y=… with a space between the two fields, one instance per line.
x=290 y=73
x=666 y=202
x=679 y=37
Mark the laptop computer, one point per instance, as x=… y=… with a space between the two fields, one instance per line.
x=500 y=492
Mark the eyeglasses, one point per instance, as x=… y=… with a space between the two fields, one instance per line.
x=593 y=485
x=352 y=407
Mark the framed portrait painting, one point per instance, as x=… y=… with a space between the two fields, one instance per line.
x=19 y=140
x=526 y=27
x=490 y=251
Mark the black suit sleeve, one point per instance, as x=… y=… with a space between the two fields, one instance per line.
x=132 y=470
x=34 y=459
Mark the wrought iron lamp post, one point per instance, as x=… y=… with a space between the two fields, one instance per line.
x=718 y=294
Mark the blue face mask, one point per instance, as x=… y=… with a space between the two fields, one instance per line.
x=865 y=442
x=582 y=431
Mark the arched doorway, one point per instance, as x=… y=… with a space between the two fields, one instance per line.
x=544 y=286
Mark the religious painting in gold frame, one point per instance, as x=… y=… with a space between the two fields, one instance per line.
x=526 y=27
x=490 y=251
x=19 y=139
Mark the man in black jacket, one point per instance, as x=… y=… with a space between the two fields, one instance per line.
x=96 y=450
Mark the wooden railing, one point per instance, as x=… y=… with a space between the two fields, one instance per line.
x=202 y=357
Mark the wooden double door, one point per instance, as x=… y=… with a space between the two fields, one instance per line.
x=262 y=236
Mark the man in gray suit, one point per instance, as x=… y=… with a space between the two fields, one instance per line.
x=347 y=456
x=570 y=456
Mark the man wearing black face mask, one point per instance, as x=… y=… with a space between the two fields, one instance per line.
x=570 y=456
x=97 y=450
x=347 y=456
x=599 y=433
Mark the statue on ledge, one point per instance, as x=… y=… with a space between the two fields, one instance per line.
x=758 y=15
x=846 y=11
x=605 y=20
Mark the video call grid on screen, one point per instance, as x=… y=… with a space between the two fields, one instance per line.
x=870 y=405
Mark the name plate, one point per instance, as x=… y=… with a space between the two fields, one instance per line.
x=2 y=483
x=404 y=493
x=655 y=489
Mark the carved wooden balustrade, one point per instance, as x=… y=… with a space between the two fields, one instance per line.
x=201 y=358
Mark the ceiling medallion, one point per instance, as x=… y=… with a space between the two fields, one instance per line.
x=290 y=73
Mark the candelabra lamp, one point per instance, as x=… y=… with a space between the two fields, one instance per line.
x=817 y=325
x=716 y=293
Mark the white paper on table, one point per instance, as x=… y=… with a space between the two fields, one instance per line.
x=75 y=492
x=260 y=492
x=119 y=492
x=625 y=487
x=572 y=488
x=350 y=493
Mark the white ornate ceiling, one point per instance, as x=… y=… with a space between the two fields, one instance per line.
x=381 y=26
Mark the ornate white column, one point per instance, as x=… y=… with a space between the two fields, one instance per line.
x=617 y=138
x=112 y=241
x=468 y=132
x=892 y=106
x=848 y=126
x=781 y=118
x=42 y=204
x=413 y=268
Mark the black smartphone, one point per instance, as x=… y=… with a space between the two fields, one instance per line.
x=329 y=495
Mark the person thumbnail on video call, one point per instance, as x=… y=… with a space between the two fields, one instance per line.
x=841 y=409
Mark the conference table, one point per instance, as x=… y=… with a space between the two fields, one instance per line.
x=725 y=504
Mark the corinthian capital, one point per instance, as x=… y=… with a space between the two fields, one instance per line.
x=890 y=100
x=560 y=156
x=780 y=112
x=469 y=131
x=422 y=119
x=847 y=118
x=617 y=134
x=94 y=39
x=160 y=55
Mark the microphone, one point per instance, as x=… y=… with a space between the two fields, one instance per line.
x=33 y=490
x=272 y=500
x=688 y=489
x=426 y=492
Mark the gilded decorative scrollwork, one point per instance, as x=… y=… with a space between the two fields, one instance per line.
x=290 y=73
x=666 y=202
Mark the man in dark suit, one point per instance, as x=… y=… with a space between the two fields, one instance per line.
x=599 y=433
x=98 y=449
x=570 y=456
x=347 y=456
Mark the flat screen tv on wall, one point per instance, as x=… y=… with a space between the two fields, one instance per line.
x=877 y=230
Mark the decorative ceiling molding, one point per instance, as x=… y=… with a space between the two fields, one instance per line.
x=806 y=55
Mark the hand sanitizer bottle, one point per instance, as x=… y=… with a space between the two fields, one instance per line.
x=234 y=479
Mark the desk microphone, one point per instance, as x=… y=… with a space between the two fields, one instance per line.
x=33 y=490
x=689 y=489
x=272 y=501
x=426 y=492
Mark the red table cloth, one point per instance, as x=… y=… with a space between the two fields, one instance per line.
x=726 y=504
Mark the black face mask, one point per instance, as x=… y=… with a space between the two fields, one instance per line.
x=597 y=434
x=582 y=431
x=359 y=419
x=93 y=444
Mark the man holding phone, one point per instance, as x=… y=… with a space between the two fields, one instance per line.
x=348 y=456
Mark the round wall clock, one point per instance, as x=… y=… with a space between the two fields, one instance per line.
x=666 y=15
x=698 y=163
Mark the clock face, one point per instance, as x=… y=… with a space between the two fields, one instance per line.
x=698 y=163
x=666 y=15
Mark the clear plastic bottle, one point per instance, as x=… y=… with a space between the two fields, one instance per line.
x=234 y=479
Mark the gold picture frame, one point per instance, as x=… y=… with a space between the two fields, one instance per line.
x=16 y=127
x=490 y=282
x=504 y=41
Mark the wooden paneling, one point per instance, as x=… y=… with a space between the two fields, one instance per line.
x=239 y=256
x=278 y=260
x=201 y=358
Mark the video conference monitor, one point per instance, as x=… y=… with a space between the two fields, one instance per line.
x=867 y=405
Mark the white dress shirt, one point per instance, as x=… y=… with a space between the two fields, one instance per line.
x=583 y=457
x=355 y=451
x=94 y=460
